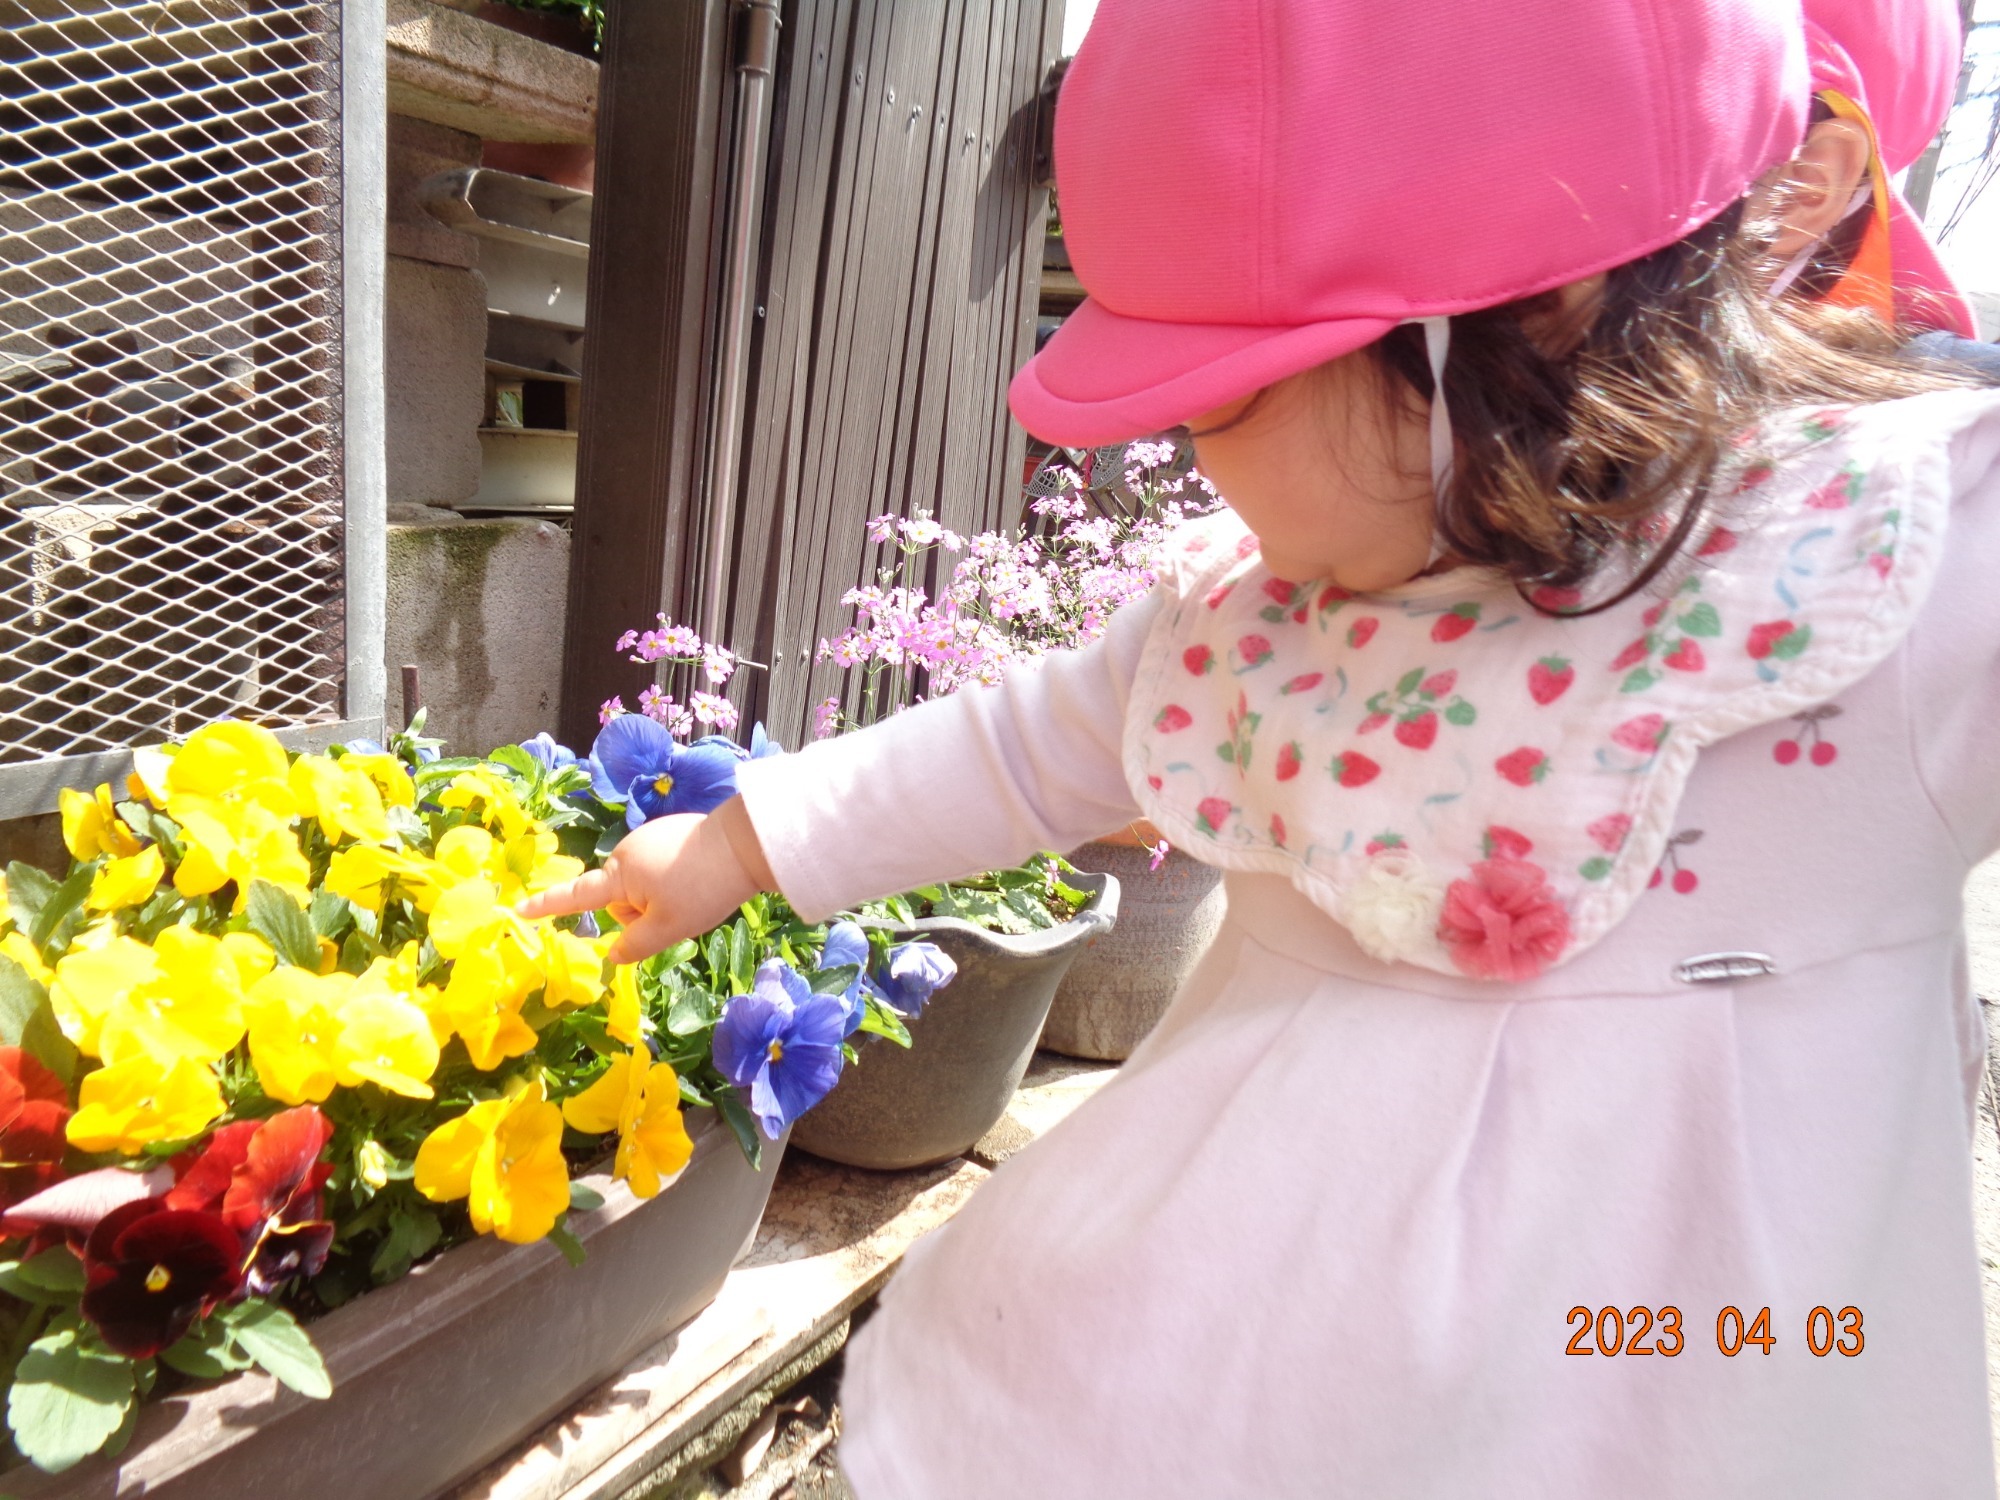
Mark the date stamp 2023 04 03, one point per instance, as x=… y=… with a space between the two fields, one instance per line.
x=1611 y=1331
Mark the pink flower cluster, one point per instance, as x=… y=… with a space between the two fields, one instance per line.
x=1049 y=586
x=683 y=652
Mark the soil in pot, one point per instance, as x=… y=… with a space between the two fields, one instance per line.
x=1117 y=991
x=894 y=1109
x=443 y=1371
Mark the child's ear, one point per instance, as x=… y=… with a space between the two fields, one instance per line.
x=1802 y=200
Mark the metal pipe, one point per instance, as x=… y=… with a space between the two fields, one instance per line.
x=732 y=373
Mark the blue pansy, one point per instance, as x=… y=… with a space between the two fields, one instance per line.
x=847 y=944
x=914 y=973
x=780 y=1045
x=635 y=762
x=364 y=747
x=545 y=749
x=762 y=745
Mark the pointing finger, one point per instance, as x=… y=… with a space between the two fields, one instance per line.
x=588 y=892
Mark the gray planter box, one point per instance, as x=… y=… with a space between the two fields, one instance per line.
x=443 y=1371
x=1116 y=993
x=894 y=1109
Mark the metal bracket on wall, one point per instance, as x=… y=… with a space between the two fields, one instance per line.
x=534 y=254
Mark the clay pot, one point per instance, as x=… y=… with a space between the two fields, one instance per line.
x=1116 y=993
x=442 y=1372
x=894 y=1108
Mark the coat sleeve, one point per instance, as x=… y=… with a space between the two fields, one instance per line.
x=977 y=781
x=1954 y=655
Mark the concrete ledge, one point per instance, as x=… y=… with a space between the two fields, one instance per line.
x=456 y=70
x=831 y=1237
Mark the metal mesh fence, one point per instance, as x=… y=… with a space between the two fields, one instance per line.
x=170 y=511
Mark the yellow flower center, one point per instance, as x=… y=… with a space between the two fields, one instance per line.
x=776 y=1051
x=159 y=1279
x=663 y=784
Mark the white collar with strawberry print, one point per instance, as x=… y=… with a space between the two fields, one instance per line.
x=1473 y=786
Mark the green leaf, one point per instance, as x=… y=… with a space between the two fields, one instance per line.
x=729 y=1104
x=742 y=960
x=834 y=981
x=1409 y=681
x=514 y=758
x=54 y=1270
x=584 y=1199
x=64 y=902
x=330 y=915
x=272 y=1337
x=1595 y=868
x=878 y=1020
x=1702 y=620
x=609 y=839
x=567 y=1242
x=28 y=891
x=694 y=1009
x=28 y=1021
x=278 y=920
x=1637 y=680
x=207 y=1352
x=14 y=1285
x=68 y=1400
x=413 y=1234
x=1460 y=712
x=679 y=954
x=150 y=823
x=1789 y=645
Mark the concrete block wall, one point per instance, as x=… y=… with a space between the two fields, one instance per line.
x=477 y=607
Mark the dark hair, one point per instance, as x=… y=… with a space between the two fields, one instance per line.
x=1570 y=440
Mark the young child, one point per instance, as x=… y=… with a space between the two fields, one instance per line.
x=1576 y=1101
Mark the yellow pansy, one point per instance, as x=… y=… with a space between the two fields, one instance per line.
x=127 y=882
x=621 y=1016
x=391 y=780
x=15 y=945
x=294 y=1024
x=134 y=1104
x=343 y=797
x=148 y=781
x=488 y=798
x=243 y=843
x=91 y=825
x=251 y=955
x=89 y=983
x=368 y=876
x=641 y=1100
x=385 y=1037
x=473 y=915
x=191 y=1006
x=572 y=968
x=482 y=1002
x=533 y=865
x=232 y=764
x=504 y=1157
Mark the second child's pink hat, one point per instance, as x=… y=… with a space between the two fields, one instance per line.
x=1252 y=187
x=1898 y=59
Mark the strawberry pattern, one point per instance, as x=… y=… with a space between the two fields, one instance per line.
x=1449 y=741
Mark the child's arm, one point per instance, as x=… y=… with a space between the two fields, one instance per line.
x=977 y=781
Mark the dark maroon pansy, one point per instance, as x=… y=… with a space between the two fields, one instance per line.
x=150 y=1271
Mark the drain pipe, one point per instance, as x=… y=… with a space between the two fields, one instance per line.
x=753 y=82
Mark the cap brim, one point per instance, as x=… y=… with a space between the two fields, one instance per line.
x=1105 y=378
x=1925 y=293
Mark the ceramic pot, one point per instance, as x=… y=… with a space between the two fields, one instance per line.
x=442 y=1372
x=1116 y=993
x=893 y=1108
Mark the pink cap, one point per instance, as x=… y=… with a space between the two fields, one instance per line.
x=1250 y=187
x=1898 y=59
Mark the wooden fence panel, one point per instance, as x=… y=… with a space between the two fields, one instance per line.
x=900 y=267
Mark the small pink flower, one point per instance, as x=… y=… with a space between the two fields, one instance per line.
x=826 y=718
x=1504 y=922
x=1159 y=854
x=610 y=709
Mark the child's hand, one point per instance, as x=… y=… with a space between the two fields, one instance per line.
x=669 y=879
